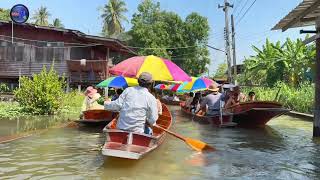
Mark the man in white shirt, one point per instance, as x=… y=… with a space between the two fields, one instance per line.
x=136 y=106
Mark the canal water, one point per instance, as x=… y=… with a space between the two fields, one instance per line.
x=284 y=149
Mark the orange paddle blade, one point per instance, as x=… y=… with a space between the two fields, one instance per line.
x=198 y=145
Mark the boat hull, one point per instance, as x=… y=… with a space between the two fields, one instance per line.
x=172 y=103
x=96 y=117
x=248 y=114
x=131 y=145
x=257 y=113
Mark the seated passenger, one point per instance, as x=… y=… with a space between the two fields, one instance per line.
x=232 y=100
x=90 y=101
x=252 y=96
x=241 y=97
x=195 y=104
x=211 y=103
x=189 y=100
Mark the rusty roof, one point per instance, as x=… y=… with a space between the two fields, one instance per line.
x=78 y=33
x=304 y=14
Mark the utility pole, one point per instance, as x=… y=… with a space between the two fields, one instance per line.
x=228 y=53
x=234 y=50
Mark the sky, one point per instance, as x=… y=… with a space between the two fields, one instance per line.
x=253 y=29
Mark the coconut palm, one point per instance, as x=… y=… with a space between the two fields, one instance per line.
x=57 y=23
x=41 y=16
x=113 y=15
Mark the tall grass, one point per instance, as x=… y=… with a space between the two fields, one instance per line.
x=299 y=99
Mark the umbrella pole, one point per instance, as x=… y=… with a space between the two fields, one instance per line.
x=106 y=92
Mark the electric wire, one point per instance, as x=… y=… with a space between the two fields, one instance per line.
x=246 y=12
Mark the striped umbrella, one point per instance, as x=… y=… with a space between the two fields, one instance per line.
x=118 y=82
x=161 y=69
x=161 y=86
x=196 y=84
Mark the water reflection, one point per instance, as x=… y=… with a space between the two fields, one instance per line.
x=282 y=150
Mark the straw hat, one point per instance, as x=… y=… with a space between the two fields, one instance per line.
x=213 y=87
x=90 y=91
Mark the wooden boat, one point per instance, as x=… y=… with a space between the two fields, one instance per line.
x=256 y=113
x=96 y=117
x=247 y=114
x=131 y=145
x=213 y=120
x=172 y=103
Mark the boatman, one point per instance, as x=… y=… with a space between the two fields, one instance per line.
x=136 y=106
x=211 y=103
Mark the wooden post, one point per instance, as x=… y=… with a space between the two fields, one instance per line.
x=316 y=123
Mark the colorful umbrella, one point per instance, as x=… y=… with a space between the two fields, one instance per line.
x=174 y=87
x=118 y=82
x=161 y=86
x=196 y=84
x=161 y=69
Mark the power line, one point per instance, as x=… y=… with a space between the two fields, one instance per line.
x=236 y=5
x=183 y=47
x=246 y=12
x=244 y=5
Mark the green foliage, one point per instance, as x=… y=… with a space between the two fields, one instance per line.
x=113 y=16
x=4 y=88
x=9 y=110
x=41 y=16
x=5 y=14
x=43 y=94
x=292 y=63
x=72 y=103
x=157 y=31
x=57 y=23
x=299 y=98
x=221 y=71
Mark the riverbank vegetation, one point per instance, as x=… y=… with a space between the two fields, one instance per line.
x=42 y=95
x=289 y=66
x=299 y=99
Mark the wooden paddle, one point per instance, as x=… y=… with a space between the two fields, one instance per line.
x=193 y=143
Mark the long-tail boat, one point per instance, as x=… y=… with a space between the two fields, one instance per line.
x=172 y=103
x=255 y=113
x=96 y=117
x=246 y=114
x=131 y=145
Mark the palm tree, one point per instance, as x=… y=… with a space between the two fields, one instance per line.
x=57 y=23
x=41 y=16
x=112 y=14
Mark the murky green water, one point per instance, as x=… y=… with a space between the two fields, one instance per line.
x=282 y=150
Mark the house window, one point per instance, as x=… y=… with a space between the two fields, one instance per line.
x=41 y=51
x=18 y=51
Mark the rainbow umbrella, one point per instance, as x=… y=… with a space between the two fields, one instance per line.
x=161 y=86
x=118 y=82
x=174 y=87
x=161 y=69
x=196 y=84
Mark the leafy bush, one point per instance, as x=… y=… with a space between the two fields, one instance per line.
x=43 y=94
x=299 y=99
x=4 y=88
x=11 y=110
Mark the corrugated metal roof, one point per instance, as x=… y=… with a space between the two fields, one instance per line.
x=303 y=15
